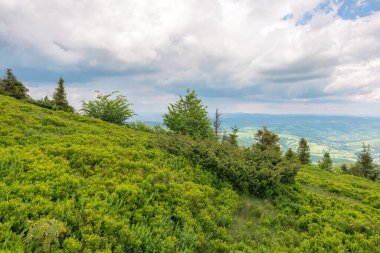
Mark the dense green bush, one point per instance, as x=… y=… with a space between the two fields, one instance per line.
x=254 y=170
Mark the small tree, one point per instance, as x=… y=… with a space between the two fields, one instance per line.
x=115 y=110
x=188 y=116
x=364 y=166
x=344 y=169
x=233 y=136
x=10 y=86
x=59 y=97
x=217 y=123
x=267 y=139
x=225 y=137
x=326 y=162
x=303 y=151
x=290 y=155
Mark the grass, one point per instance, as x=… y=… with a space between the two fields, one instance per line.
x=324 y=212
x=74 y=184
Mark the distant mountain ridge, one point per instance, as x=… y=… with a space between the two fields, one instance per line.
x=342 y=136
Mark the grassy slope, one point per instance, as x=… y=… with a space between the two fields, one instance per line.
x=104 y=186
x=324 y=212
x=110 y=191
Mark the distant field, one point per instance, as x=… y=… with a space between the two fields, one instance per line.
x=342 y=136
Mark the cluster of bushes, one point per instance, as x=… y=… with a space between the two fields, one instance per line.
x=256 y=170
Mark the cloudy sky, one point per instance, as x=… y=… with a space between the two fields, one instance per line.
x=262 y=56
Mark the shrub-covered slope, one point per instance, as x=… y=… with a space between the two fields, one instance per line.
x=75 y=184
x=322 y=212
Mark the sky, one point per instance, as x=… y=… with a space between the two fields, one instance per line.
x=262 y=56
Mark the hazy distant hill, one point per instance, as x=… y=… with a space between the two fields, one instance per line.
x=342 y=136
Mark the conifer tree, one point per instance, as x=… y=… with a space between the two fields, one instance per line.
x=188 y=116
x=12 y=87
x=290 y=155
x=326 y=162
x=267 y=139
x=344 y=168
x=225 y=137
x=303 y=151
x=59 y=97
x=364 y=166
x=233 y=136
x=217 y=122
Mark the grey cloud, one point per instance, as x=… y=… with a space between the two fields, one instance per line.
x=240 y=51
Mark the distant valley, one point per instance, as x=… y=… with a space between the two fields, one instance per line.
x=342 y=136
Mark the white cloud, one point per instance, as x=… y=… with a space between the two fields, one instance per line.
x=224 y=44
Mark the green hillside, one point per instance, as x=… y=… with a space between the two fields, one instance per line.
x=98 y=187
x=69 y=183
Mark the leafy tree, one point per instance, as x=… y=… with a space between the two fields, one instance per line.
x=303 y=151
x=189 y=117
x=326 y=162
x=10 y=86
x=233 y=136
x=364 y=166
x=267 y=139
x=59 y=97
x=115 y=110
x=217 y=122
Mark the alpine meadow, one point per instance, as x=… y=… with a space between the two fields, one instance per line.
x=71 y=183
x=190 y=126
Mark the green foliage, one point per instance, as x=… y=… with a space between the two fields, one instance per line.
x=10 y=86
x=364 y=166
x=141 y=126
x=267 y=140
x=70 y=183
x=59 y=97
x=290 y=155
x=43 y=102
x=322 y=212
x=251 y=170
x=75 y=184
x=344 y=168
x=115 y=110
x=233 y=136
x=217 y=123
x=326 y=162
x=45 y=235
x=303 y=151
x=188 y=116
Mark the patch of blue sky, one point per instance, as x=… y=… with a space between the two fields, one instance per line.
x=354 y=9
x=347 y=9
